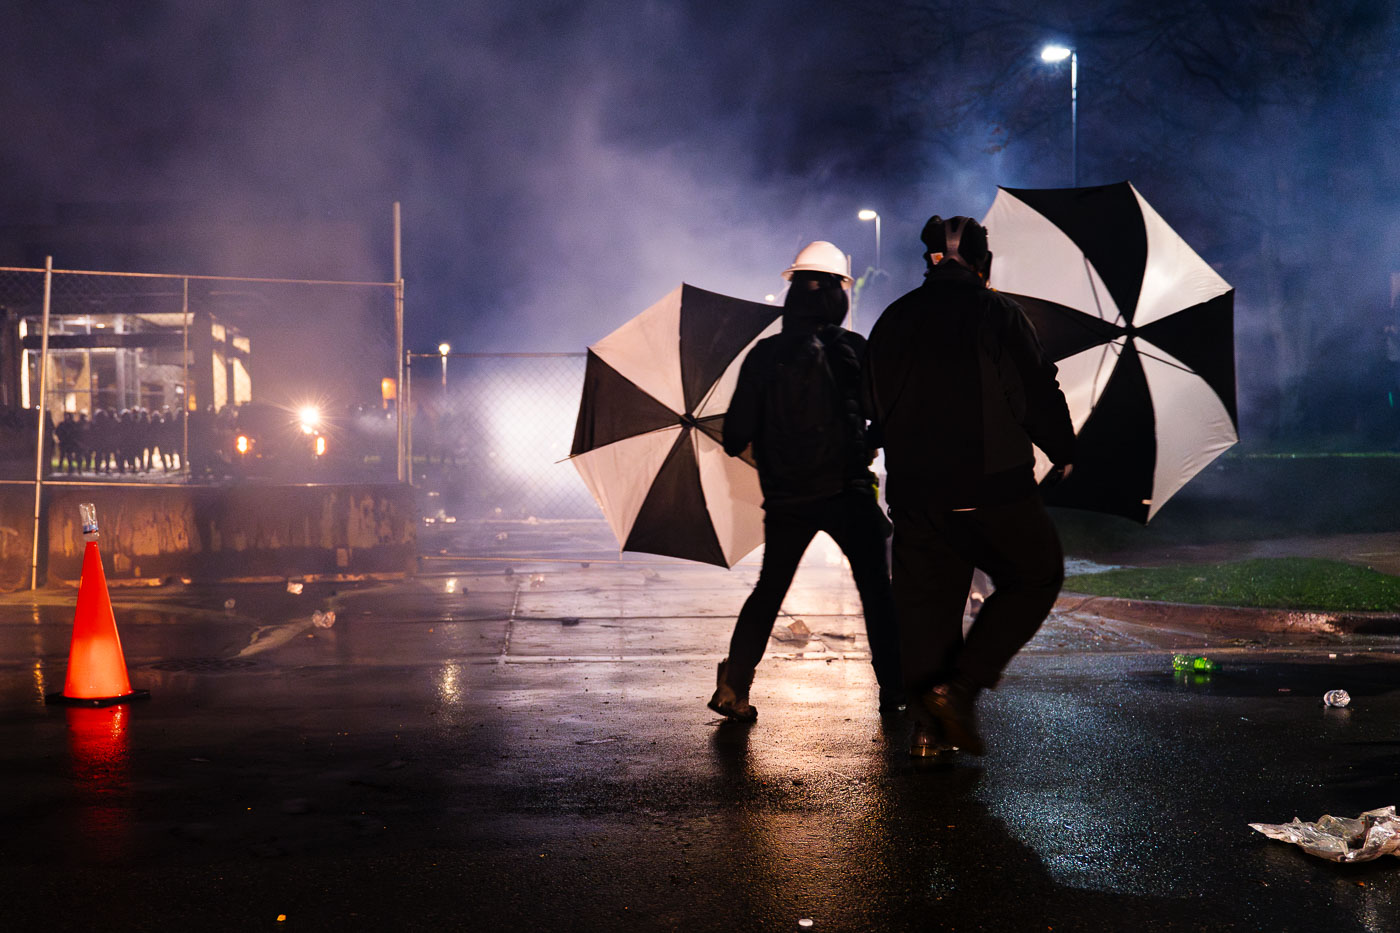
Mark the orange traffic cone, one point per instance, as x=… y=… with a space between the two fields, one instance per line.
x=96 y=666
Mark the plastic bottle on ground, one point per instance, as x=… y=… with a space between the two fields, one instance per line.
x=1186 y=662
x=88 y=512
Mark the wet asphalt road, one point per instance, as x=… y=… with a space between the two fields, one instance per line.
x=483 y=750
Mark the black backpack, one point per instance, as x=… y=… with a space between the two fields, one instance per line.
x=814 y=430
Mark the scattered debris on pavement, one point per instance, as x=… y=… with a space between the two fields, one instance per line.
x=796 y=630
x=1371 y=835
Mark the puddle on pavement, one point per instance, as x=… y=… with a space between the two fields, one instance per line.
x=207 y=665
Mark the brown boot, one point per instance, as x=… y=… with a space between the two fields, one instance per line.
x=730 y=700
x=953 y=707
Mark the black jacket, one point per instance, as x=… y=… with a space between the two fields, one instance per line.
x=807 y=429
x=959 y=388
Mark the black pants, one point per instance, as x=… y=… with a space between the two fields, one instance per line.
x=934 y=556
x=854 y=522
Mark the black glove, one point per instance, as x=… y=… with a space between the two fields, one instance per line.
x=1057 y=474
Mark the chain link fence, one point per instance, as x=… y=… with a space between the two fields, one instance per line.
x=165 y=378
x=491 y=433
x=21 y=291
x=152 y=378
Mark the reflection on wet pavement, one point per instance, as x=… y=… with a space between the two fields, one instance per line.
x=536 y=743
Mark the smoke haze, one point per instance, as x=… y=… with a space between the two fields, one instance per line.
x=563 y=165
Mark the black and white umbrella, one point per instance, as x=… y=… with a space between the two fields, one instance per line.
x=1142 y=330
x=647 y=442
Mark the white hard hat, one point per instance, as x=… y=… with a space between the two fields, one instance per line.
x=821 y=256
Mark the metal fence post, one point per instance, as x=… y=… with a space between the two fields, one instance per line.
x=185 y=402
x=405 y=471
x=43 y=418
x=405 y=468
x=406 y=416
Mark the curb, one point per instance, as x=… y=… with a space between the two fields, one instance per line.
x=1286 y=621
x=178 y=581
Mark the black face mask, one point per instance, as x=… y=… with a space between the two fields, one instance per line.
x=821 y=299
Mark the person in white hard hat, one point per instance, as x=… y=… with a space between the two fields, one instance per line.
x=798 y=405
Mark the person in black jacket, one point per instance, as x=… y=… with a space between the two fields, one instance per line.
x=798 y=405
x=66 y=433
x=959 y=390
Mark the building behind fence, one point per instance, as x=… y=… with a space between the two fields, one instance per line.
x=153 y=370
x=158 y=374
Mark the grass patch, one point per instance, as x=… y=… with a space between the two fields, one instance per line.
x=1270 y=583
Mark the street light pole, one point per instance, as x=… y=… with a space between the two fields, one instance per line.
x=1058 y=53
x=868 y=214
x=1074 y=117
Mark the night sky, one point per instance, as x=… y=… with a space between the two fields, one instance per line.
x=561 y=165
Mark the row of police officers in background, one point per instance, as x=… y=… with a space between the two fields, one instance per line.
x=137 y=440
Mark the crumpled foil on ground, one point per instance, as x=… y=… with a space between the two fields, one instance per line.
x=1369 y=836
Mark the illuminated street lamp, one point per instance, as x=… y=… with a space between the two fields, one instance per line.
x=443 y=350
x=1055 y=54
x=868 y=214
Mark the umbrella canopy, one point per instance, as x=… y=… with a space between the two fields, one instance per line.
x=647 y=442
x=1141 y=328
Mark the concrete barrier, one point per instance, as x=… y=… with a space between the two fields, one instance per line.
x=16 y=536
x=210 y=534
